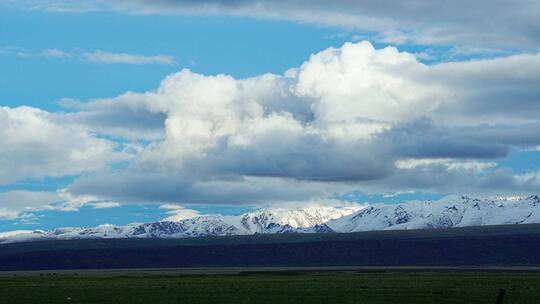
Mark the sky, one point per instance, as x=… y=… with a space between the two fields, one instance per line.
x=133 y=111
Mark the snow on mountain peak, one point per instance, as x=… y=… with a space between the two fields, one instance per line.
x=450 y=211
x=305 y=217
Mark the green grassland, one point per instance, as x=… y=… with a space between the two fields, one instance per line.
x=133 y=286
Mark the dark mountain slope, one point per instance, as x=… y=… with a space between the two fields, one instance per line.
x=507 y=245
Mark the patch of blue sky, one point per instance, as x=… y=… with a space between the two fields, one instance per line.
x=521 y=161
x=90 y=217
x=85 y=217
x=239 y=46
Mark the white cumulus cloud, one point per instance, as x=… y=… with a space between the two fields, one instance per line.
x=349 y=118
x=36 y=144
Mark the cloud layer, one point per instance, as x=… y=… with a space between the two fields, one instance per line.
x=473 y=25
x=95 y=56
x=349 y=118
x=124 y=58
x=36 y=144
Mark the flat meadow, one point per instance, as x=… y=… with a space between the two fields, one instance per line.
x=279 y=286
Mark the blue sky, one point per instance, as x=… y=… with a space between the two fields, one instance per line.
x=69 y=62
x=238 y=46
x=241 y=47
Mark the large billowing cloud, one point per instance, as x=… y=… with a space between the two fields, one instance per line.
x=473 y=24
x=349 y=118
x=36 y=144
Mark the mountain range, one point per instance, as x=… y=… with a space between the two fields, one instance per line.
x=451 y=211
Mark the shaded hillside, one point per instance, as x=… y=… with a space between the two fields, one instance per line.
x=487 y=245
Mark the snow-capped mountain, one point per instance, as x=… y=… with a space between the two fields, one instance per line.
x=311 y=219
x=301 y=220
x=452 y=211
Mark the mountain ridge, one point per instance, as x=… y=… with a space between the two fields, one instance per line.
x=449 y=212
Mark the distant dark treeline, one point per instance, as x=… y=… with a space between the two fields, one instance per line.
x=496 y=245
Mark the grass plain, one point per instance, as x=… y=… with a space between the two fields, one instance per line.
x=278 y=286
